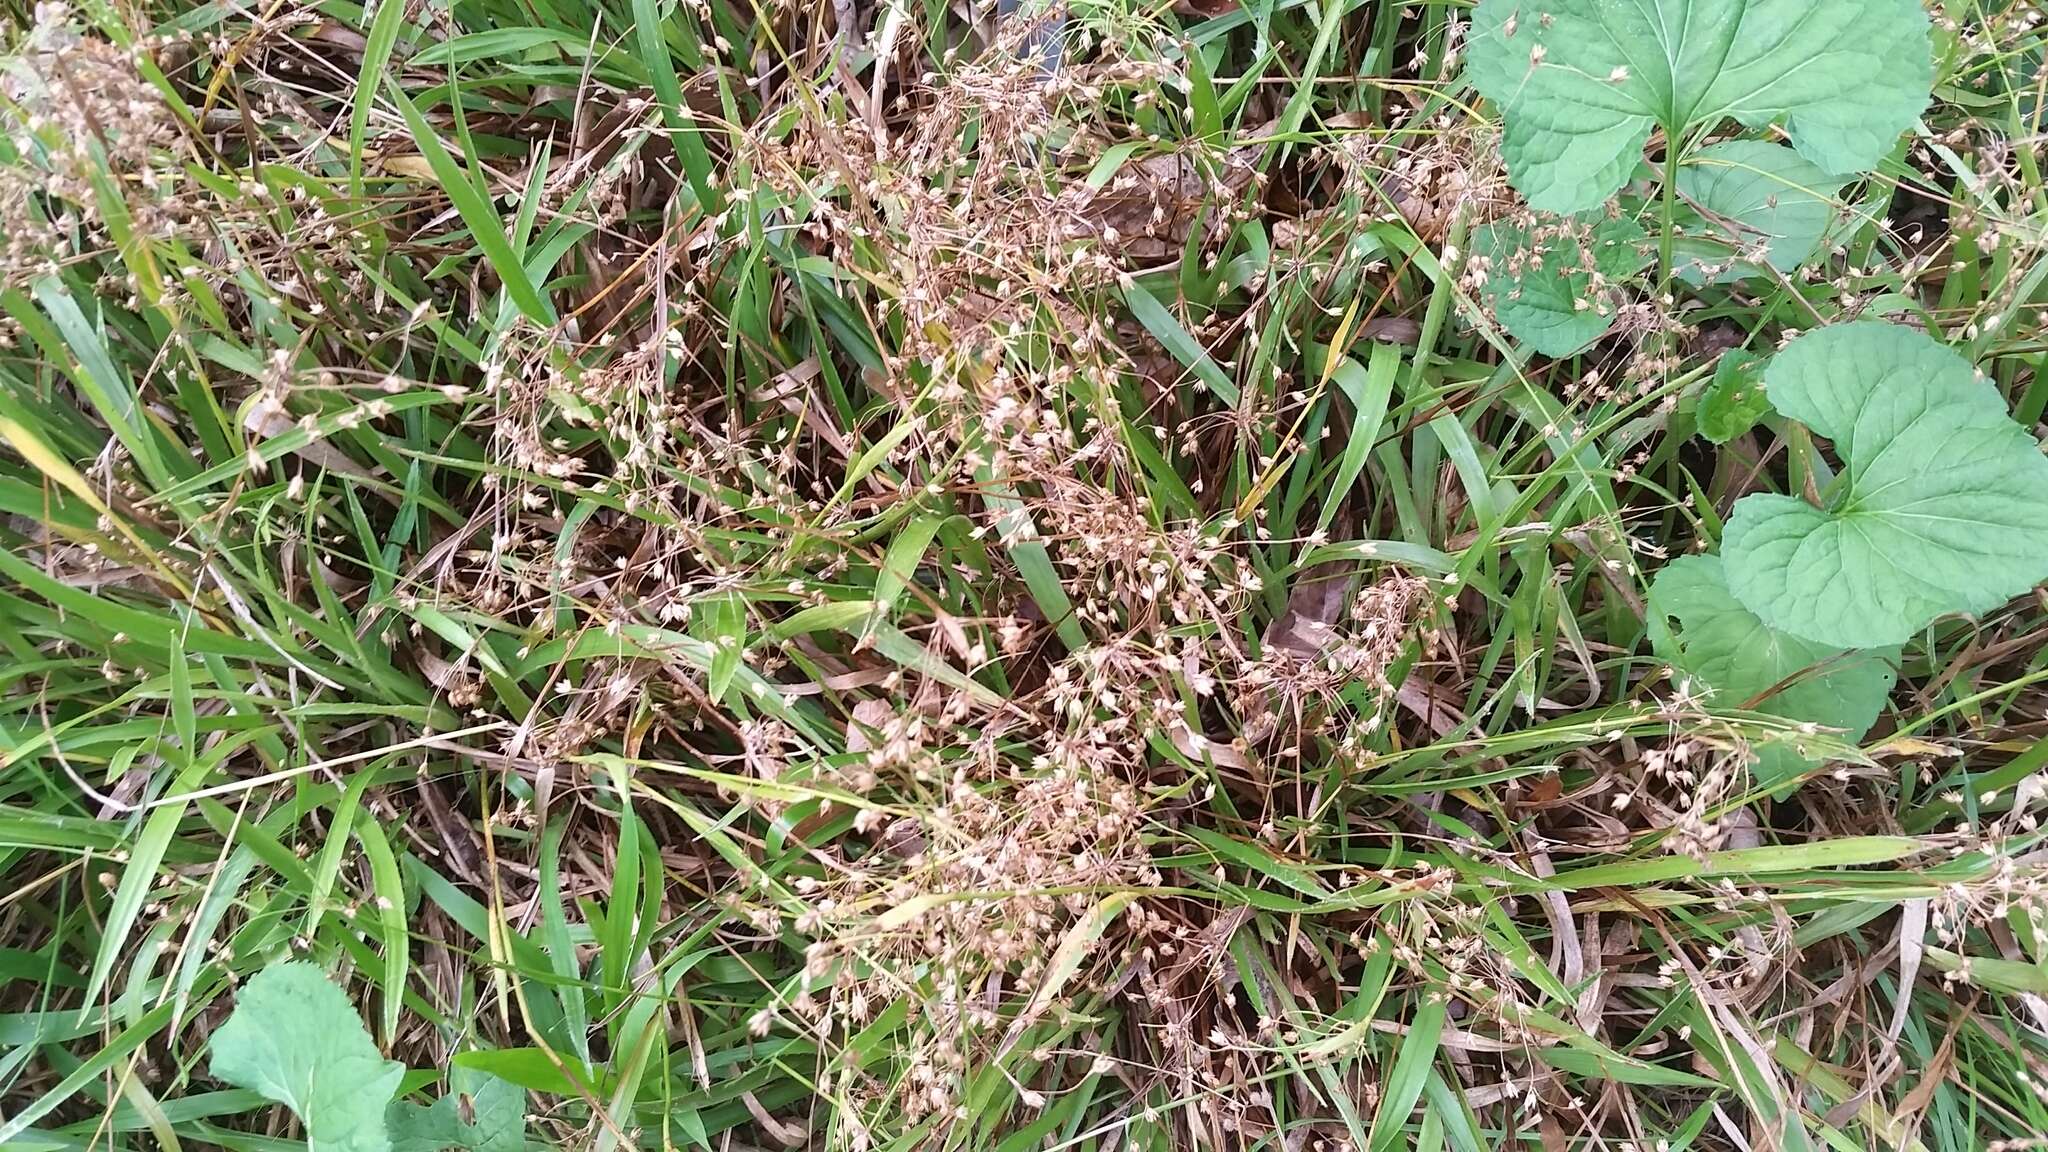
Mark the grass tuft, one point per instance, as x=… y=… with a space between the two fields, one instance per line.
x=890 y=575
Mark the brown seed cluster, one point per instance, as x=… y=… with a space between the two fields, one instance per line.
x=89 y=135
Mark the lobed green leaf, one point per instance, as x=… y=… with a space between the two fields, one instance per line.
x=1943 y=507
x=1581 y=83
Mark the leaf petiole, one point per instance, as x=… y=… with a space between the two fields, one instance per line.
x=1669 y=204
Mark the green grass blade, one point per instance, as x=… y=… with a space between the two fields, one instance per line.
x=486 y=226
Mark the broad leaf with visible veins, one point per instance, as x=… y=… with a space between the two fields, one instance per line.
x=1543 y=287
x=295 y=1038
x=1752 y=199
x=1943 y=505
x=1581 y=83
x=1722 y=644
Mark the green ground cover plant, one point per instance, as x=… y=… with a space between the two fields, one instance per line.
x=1091 y=575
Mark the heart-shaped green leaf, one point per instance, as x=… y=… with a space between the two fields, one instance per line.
x=1723 y=645
x=1581 y=83
x=1750 y=203
x=294 y=1038
x=1943 y=506
x=1552 y=284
